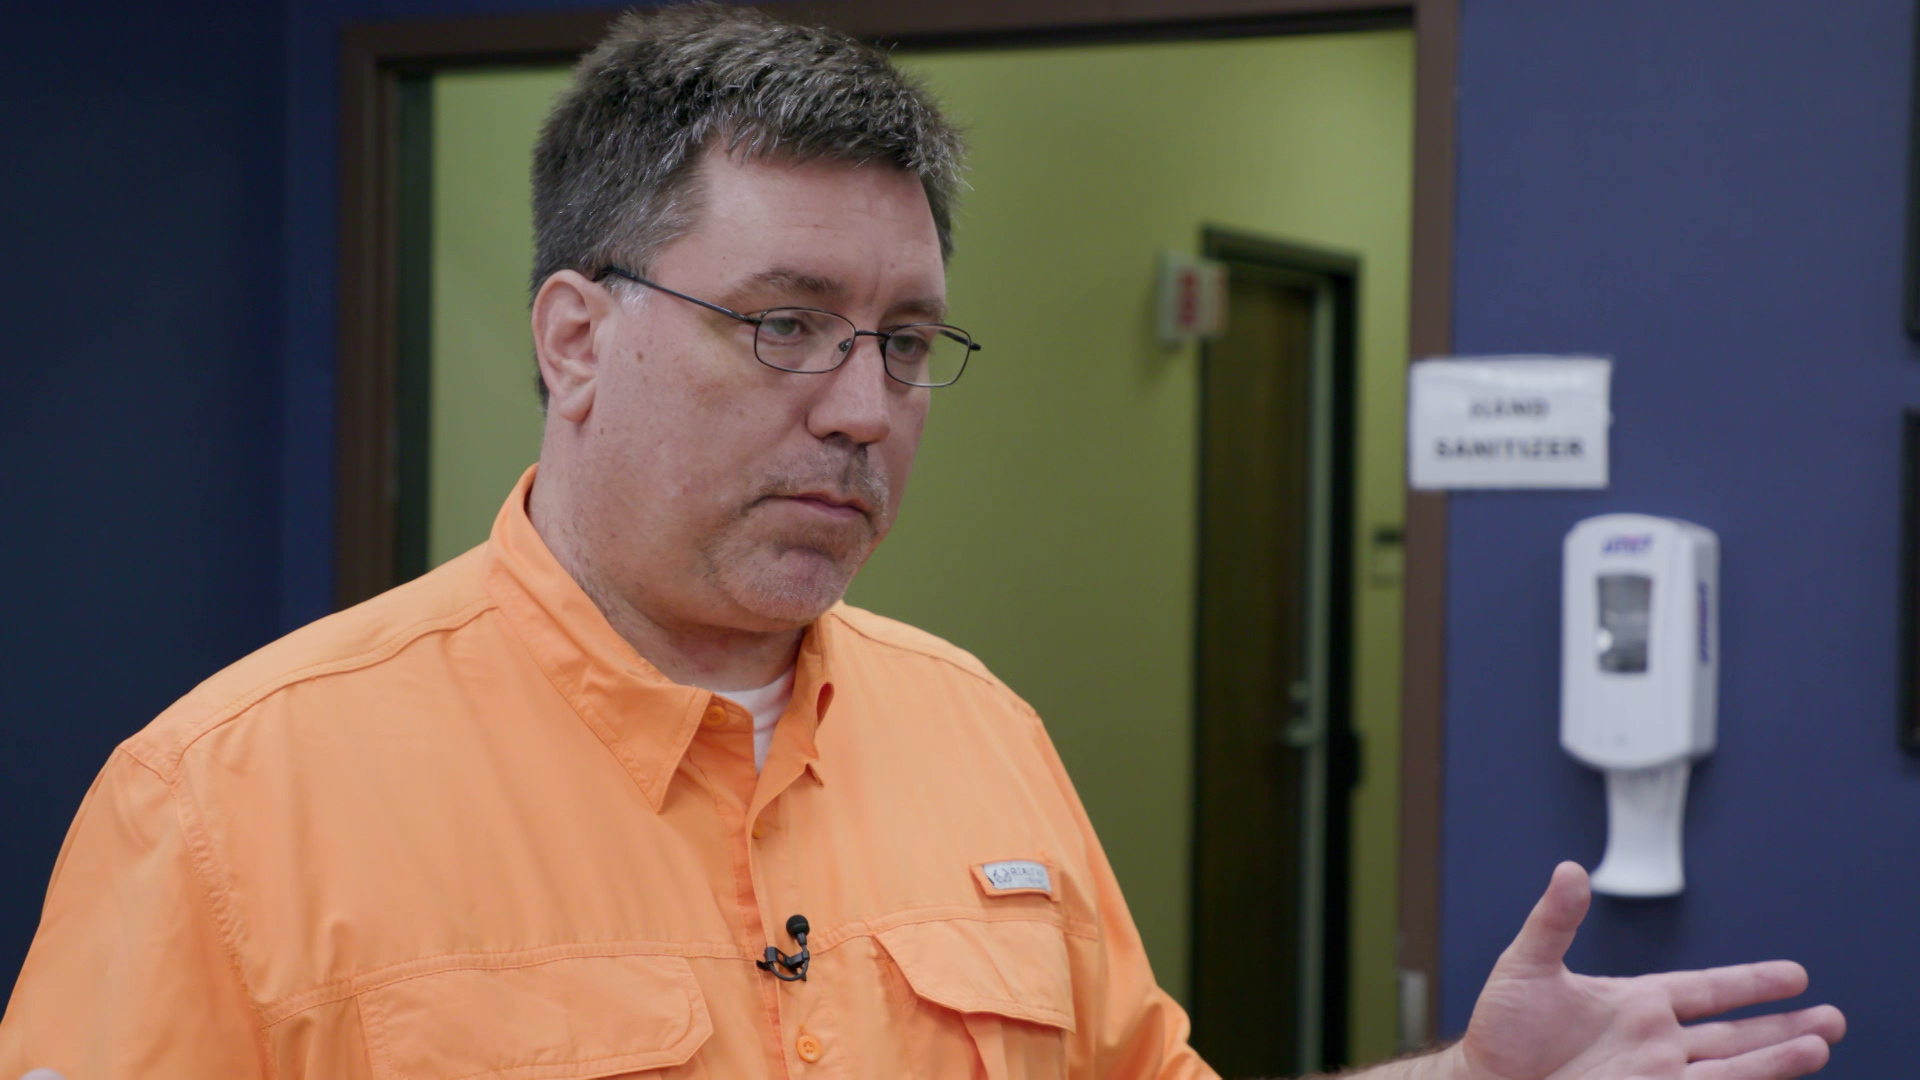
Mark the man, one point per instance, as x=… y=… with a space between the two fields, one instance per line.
x=626 y=791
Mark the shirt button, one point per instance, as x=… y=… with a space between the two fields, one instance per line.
x=759 y=830
x=716 y=715
x=808 y=1048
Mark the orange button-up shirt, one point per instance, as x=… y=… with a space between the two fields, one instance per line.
x=464 y=830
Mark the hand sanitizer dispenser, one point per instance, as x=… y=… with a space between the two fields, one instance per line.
x=1640 y=654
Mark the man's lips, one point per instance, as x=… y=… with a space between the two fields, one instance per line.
x=826 y=502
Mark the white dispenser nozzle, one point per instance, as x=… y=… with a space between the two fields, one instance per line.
x=1640 y=644
x=1644 y=809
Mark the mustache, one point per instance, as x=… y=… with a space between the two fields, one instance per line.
x=846 y=475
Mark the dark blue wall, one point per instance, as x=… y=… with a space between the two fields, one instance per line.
x=140 y=300
x=1712 y=193
x=167 y=264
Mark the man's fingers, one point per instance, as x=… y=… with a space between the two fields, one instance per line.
x=1549 y=929
x=1731 y=1038
x=1697 y=995
x=1797 y=1057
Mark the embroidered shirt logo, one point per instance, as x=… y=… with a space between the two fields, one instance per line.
x=1011 y=874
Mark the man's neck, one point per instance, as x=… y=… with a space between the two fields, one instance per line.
x=710 y=657
x=714 y=658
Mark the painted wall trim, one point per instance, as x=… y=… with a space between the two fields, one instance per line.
x=1424 y=650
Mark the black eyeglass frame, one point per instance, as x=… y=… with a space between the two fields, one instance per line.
x=755 y=320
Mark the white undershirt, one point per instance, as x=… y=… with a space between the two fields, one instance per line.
x=766 y=704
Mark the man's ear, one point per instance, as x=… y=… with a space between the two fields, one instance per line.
x=569 y=319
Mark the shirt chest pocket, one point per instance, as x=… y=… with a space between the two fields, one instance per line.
x=575 y=1018
x=1004 y=986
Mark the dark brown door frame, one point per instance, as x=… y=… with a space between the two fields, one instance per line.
x=375 y=56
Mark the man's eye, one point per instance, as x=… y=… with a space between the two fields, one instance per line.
x=782 y=327
x=908 y=346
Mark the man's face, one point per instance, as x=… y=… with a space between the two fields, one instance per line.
x=724 y=493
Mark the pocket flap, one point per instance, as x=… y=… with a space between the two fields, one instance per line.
x=1013 y=968
x=567 y=1019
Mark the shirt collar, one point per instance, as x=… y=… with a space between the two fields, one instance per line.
x=645 y=719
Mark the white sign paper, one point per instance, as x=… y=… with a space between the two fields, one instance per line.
x=1508 y=422
x=1192 y=301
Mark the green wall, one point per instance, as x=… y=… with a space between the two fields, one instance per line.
x=486 y=418
x=1050 y=525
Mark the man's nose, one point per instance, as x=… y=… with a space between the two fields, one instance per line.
x=858 y=401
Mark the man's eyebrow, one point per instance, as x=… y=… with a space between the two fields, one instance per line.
x=825 y=290
x=930 y=309
x=787 y=280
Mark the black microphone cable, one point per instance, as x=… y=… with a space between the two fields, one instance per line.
x=796 y=965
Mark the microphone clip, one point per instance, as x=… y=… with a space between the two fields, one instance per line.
x=789 y=968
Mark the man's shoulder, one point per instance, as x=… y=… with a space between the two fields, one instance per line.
x=361 y=638
x=905 y=642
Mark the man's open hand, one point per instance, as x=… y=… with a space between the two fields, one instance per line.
x=1535 y=1019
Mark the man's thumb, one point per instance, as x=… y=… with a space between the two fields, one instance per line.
x=1550 y=927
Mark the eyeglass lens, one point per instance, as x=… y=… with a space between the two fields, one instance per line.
x=803 y=339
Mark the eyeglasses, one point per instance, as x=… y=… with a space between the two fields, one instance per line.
x=809 y=341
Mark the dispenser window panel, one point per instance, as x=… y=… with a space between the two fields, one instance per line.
x=1625 y=610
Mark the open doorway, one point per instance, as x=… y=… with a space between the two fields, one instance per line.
x=1031 y=572
x=1274 y=746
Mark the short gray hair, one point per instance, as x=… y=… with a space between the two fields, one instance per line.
x=615 y=169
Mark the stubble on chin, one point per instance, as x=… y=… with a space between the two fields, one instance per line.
x=791 y=572
x=788 y=576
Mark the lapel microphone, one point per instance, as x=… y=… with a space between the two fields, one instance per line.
x=796 y=965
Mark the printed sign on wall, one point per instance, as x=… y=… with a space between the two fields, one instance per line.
x=1508 y=422
x=1191 y=304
